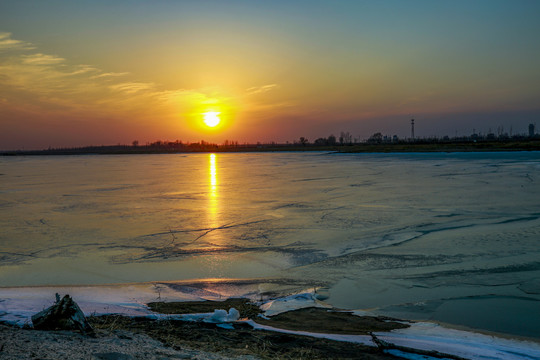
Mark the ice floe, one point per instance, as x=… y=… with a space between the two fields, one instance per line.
x=292 y=302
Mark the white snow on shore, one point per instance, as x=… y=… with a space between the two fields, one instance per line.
x=466 y=344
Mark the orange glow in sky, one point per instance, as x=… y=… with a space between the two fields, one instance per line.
x=88 y=73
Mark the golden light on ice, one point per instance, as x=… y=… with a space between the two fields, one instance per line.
x=213 y=175
x=213 y=191
x=211 y=118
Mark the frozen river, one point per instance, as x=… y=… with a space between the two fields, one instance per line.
x=448 y=237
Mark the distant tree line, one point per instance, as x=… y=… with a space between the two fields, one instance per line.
x=346 y=138
x=342 y=143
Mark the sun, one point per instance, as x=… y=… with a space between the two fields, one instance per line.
x=211 y=118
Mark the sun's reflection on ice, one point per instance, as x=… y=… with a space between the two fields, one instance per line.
x=214 y=237
x=213 y=191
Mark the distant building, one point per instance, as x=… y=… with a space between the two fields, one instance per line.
x=531 y=130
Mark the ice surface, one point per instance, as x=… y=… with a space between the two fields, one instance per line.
x=221 y=315
x=291 y=302
x=428 y=336
x=381 y=231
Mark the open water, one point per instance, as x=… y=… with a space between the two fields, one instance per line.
x=447 y=237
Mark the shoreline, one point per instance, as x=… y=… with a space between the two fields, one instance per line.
x=417 y=146
x=134 y=313
x=139 y=294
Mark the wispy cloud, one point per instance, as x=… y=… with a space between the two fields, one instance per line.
x=260 y=89
x=83 y=69
x=132 y=87
x=42 y=59
x=169 y=96
x=184 y=97
x=110 y=75
x=6 y=42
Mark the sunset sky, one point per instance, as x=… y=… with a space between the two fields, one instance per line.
x=75 y=73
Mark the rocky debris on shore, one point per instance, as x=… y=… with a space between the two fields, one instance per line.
x=18 y=344
x=65 y=314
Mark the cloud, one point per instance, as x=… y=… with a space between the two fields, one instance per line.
x=6 y=42
x=83 y=69
x=260 y=89
x=132 y=87
x=110 y=74
x=168 y=96
x=42 y=59
x=41 y=83
x=184 y=96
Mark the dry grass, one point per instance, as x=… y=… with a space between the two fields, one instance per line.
x=242 y=340
x=244 y=307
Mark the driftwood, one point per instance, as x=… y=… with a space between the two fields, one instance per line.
x=383 y=345
x=65 y=314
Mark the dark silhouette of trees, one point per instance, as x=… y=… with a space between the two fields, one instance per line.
x=375 y=138
x=345 y=138
x=320 y=142
x=331 y=140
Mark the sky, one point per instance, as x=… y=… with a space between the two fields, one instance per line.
x=77 y=73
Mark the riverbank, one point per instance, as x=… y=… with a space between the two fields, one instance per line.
x=464 y=145
x=120 y=337
x=300 y=325
x=200 y=331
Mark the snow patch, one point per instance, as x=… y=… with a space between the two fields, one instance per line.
x=359 y=339
x=474 y=346
x=292 y=302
